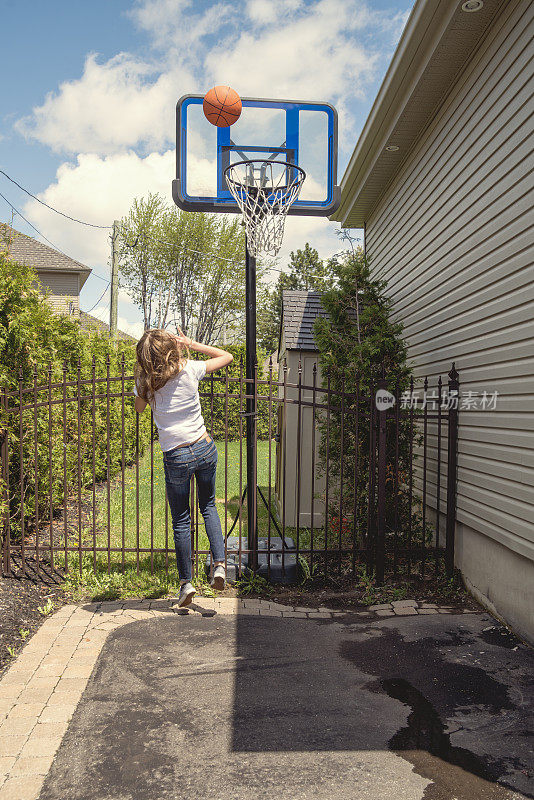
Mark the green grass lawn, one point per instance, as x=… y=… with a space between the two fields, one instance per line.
x=155 y=527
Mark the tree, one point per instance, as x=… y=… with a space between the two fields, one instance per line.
x=141 y=266
x=307 y=271
x=359 y=337
x=185 y=269
x=205 y=255
x=357 y=341
x=266 y=329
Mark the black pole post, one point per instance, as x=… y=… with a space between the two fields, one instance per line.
x=250 y=405
x=452 y=470
x=381 y=418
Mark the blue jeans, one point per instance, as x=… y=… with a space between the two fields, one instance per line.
x=199 y=459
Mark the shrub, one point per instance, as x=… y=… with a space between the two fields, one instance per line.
x=357 y=343
x=214 y=408
x=43 y=356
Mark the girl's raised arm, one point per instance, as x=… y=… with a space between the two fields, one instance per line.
x=220 y=358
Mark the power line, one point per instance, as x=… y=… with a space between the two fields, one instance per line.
x=61 y=214
x=30 y=224
x=99 y=299
x=109 y=227
x=188 y=250
x=228 y=260
x=106 y=313
x=162 y=241
x=38 y=232
x=208 y=254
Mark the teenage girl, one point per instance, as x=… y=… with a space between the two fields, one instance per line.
x=167 y=379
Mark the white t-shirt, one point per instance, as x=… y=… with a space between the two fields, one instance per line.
x=176 y=407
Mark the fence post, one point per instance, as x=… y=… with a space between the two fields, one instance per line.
x=370 y=536
x=381 y=495
x=452 y=464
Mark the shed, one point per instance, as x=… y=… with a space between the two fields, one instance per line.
x=297 y=345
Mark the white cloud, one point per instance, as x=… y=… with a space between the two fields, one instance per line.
x=133 y=328
x=117 y=118
x=98 y=190
x=176 y=29
x=275 y=48
x=118 y=104
x=101 y=313
x=267 y=12
x=305 y=61
x=318 y=231
x=157 y=16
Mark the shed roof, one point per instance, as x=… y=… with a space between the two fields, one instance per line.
x=40 y=256
x=438 y=40
x=300 y=309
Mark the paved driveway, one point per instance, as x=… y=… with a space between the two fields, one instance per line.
x=246 y=706
x=237 y=701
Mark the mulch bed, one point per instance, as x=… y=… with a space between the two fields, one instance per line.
x=20 y=598
x=22 y=594
x=66 y=521
x=343 y=593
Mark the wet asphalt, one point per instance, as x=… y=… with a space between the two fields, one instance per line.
x=439 y=707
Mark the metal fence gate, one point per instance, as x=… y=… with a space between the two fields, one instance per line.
x=355 y=474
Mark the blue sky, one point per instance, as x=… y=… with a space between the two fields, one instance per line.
x=88 y=104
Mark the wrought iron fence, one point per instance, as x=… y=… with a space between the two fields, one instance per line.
x=345 y=479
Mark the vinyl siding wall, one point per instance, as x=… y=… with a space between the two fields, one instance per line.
x=453 y=236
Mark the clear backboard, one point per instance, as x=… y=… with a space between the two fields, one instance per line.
x=301 y=133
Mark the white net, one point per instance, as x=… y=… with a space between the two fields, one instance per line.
x=264 y=192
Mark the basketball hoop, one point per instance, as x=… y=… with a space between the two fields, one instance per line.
x=264 y=191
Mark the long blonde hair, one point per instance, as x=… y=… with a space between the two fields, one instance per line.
x=159 y=358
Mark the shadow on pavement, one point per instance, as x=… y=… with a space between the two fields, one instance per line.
x=299 y=694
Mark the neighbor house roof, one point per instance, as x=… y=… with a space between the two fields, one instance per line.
x=42 y=258
x=300 y=309
x=88 y=322
x=438 y=39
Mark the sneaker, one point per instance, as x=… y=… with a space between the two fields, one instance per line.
x=187 y=592
x=219 y=577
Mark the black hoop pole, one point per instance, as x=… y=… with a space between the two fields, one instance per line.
x=250 y=405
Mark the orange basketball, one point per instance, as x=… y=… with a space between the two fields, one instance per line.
x=222 y=106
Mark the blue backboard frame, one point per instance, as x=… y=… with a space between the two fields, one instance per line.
x=223 y=202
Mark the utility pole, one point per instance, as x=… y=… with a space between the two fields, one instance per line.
x=114 y=282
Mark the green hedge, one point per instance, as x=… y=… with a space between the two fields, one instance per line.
x=38 y=347
x=214 y=408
